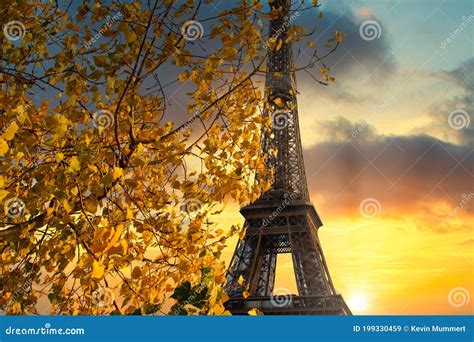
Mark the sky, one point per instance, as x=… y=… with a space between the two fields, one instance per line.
x=389 y=156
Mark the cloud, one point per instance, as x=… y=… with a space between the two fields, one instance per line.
x=463 y=78
x=407 y=174
x=364 y=12
x=361 y=68
x=355 y=54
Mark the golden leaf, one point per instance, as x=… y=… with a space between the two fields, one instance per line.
x=59 y=157
x=97 y=270
x=278 y=102
x=66 y=205
x=129 y=35
x=74 y=165
x=100 y=60
x=218 y=309
x=3 y=194
x=130 y=214
x=118 y=172
x=3 y=147
x=254 y=312
x=137 y=272
x=242 y=233
x=10 y=131
x=280 y=44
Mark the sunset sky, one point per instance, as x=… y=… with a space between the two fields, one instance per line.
x=398 y=90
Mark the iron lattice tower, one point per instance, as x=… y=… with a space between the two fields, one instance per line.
x=282 y=220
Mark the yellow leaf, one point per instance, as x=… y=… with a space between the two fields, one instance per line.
x=91 y=204
x=100 y=60
x=97 y=270
x=183 y=77
x=245 y=294
x=147 y=236
x=61 y=124
x=218 y=309
x=339 y=36
x=279 y=45
x=115 y=237
x=88 y=139
x=129 y=36
x=129 y=214
x=59 y=157
x=137 y=272
x=110 y=82
x=74 y=165
x=3 y=194
x=2 y=181
x=16 y=308
x=242 y=233
x=124 y=244
x=118 y=172
x=255 y=312
x=278 y=102
x=3 y=147
x=19 y=155
x=240 y=281
x=10 y=131
x=67 y=206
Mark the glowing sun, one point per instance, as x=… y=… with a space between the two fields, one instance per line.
x=357 y=302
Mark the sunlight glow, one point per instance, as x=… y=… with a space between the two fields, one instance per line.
x=357 y=302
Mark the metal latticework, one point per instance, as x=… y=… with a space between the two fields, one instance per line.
x=283 y=220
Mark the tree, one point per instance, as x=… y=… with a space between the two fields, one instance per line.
x=108 y=199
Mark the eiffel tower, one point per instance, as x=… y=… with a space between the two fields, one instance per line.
x=282 y=220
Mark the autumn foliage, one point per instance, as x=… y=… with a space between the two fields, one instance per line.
x=108 y=196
